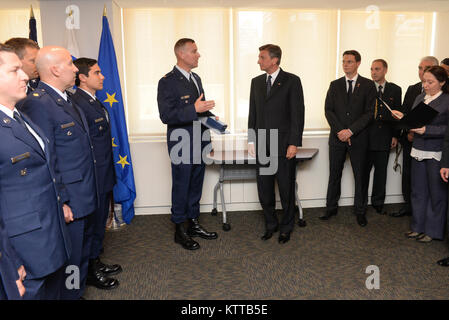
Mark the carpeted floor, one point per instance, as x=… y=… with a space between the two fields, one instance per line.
x=324 y=260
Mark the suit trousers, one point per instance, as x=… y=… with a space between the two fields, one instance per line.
x=428 y=198
x=286 y=177
x=187 y=186
x=378 y=160
x=47 y=288
x=81 y=234
x=337 y=158
x=100 y=218
x=406 y=173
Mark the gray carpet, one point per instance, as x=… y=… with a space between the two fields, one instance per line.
x=324 y=260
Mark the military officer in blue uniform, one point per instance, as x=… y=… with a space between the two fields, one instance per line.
x=88 y=80
x=67 y=129
x=181 y=102
x=27 y=49
x=29 y=200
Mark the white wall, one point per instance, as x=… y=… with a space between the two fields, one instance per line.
x=150 y=159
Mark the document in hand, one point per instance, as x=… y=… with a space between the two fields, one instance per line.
x=215 y=125
x=418 y=117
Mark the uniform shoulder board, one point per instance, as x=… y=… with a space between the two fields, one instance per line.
x=37 y=93
x=171 y=73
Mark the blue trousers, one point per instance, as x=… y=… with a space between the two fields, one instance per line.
x=428 y=198
x=100 y=217
x=187 y=186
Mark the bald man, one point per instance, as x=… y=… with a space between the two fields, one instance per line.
x=66 y=127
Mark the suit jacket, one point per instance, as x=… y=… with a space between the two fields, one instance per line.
x=8 y=268
x=176 y=102
x=282 y=109
x=30 y=206
x=355 y=115
x=433 y=137
x=68 y=133
x=100 y=134
x=382 y=129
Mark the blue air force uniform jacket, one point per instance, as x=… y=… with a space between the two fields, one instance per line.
x=176 y=102
x=66 y=128
x=29 y=206
x=100 y=134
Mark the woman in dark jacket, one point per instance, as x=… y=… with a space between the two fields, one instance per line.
x=429 y=192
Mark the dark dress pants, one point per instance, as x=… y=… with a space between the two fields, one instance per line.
x=100 y=217
x=406 y=173
x=337 y=158
x=378 y=160
x=428 y=199
x=187 y=186
x=81 y=233
x=285 y=177
x=47 y=288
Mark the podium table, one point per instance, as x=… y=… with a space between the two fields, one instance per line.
x=238 y=165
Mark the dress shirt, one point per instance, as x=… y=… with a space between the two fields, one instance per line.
x=188 y=76
x=354 y=80
x=10 y=113
x=62 y=94
x=273 y=76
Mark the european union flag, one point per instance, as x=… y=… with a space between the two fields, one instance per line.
x=32 y=26
x=111 y=96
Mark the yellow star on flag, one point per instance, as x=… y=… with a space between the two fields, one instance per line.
x=113 y=143
x=123 y=161
x=110 y=99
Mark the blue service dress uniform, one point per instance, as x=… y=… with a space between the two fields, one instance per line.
x=67 y=130
x=30 y=208
x=176 y=98
x=100 y=133
x=8 y=268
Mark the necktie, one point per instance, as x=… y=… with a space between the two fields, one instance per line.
x=71 y=106
x=20 y=120
x=350 y=89
x=379 y=92
x=193 y=87
x=268 y=85
x=103 y=108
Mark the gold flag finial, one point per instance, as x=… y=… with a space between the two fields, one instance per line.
x=31 y=11
x=104 y=11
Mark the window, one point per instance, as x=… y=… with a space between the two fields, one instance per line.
x=228 y=39
x=14 y=23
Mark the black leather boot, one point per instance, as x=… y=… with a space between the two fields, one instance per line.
x=184 y=239
x=196 y=230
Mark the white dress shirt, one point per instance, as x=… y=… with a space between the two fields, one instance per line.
x=189 y=75
x=10 y=113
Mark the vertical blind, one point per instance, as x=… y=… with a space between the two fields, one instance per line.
x=228 y=39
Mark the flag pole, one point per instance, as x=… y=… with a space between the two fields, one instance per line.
x=31 y=12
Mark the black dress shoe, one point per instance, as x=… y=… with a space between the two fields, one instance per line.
x=99 y=280
x=402 y=212
x=444 y=262
x=284 y=237
x=361 y=220
x=267 y=235
x=184 y=239
x=379 y=209
x=328 y=214
x=106 y=269
x=196 y=230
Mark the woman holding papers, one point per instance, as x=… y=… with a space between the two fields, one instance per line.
x=429 y=192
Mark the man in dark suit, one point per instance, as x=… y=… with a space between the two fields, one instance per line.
x=88 y=80
x=276 y=103
x=349 y=108
x=406 y=137
x=27 y=50
x=67 y=129
x=181 y=103
x=382 y=134
x=30 y=206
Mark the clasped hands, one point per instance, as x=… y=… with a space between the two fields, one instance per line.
x=345 y=136
x=291 y=151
